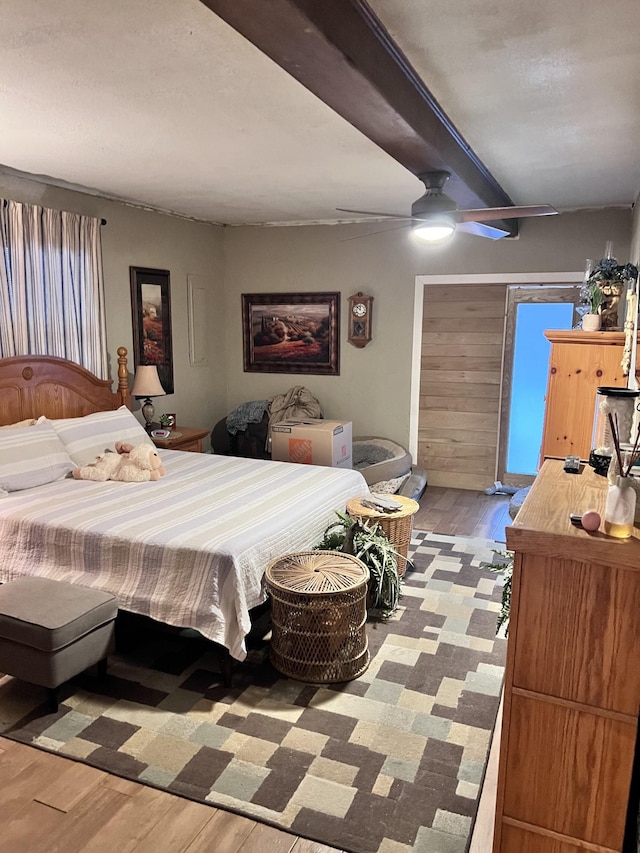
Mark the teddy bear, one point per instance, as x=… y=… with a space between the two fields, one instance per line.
x=129 y=464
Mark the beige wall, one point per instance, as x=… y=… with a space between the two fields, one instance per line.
x=374 y=386
x=136 y=237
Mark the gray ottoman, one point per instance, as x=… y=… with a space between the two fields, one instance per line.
x=52 y=630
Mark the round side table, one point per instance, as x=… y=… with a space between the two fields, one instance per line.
x=395 y=525
x=318 y=616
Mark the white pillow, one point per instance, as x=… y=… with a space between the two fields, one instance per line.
x=31 y=457
x=86 y=438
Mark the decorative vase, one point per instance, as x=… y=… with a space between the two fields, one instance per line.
x=591 y=322
x=600 y=463
x=620 y=509
x=612 y=292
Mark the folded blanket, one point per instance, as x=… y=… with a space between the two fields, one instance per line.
x=245 y=414
x=298 y=402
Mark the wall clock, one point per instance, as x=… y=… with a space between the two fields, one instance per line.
x=360 y=319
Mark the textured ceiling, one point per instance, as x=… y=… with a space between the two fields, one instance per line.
x=161 y=103
x=546 y=93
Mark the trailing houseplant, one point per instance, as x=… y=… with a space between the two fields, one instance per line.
x=368 y=543
x=608 y=269
x=505 y=567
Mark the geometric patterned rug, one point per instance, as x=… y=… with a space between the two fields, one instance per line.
x=389 y=763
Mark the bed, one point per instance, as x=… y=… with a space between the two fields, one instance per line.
x=188 y=550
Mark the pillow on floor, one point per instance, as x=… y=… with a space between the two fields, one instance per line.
x=389 y=487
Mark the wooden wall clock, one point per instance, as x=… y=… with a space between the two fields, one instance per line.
x=360 y=306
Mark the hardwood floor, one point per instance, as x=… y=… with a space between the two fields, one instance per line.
x=463 y=513
x=49 y=803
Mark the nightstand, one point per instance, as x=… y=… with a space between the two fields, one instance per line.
x=189 y=439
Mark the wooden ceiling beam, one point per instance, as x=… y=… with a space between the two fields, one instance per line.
x=339 y=50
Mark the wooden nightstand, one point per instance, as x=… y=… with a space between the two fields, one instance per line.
x=189 y=439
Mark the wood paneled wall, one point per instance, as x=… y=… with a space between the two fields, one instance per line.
x=462 y=340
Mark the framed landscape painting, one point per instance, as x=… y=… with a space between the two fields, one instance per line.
x=291 y=332
x=151 y=310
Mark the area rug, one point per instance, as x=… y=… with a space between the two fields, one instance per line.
x=388 y=763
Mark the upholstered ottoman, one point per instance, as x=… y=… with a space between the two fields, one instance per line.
x=52 y=630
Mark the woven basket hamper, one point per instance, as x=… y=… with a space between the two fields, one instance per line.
x=318 y=616
x=396 y=526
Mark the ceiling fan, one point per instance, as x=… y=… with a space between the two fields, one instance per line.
x=435 y=216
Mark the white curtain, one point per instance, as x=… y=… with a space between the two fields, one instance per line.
x=51 y=285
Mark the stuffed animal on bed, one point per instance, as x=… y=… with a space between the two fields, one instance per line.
x=129 y=464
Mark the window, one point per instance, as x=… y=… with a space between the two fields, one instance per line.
x=51 y=285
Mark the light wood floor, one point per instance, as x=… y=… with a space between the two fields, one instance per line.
x=49 y=803
x=463 y=513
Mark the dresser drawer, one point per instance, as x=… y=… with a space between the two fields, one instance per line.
x=568 y=770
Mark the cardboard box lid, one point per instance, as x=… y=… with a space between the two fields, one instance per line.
x=322 y=424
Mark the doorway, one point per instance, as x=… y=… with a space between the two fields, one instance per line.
x=435 y=440
x=530 y=310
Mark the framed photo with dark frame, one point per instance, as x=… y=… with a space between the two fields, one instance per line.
x=291 y=332
x=151 y=315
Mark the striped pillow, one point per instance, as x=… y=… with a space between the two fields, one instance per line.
x=31 y=457
x=86 y=438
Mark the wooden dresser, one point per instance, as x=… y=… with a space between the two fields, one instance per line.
x=572 y=683
x=578 y=364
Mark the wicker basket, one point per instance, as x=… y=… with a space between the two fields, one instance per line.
x=396 y=526
x=318 y=616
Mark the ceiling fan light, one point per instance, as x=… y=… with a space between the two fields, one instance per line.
x=435 y=230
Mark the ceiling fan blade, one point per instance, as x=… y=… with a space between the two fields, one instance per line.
x=482 y=230
x=374 y=213
x=488 y=213
x=371 y=233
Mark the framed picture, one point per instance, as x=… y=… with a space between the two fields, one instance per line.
x=291 y=332
x=151 y=314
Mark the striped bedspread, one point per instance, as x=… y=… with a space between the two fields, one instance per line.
x=190 y=549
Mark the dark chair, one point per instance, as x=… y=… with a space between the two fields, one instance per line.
x=250 y=443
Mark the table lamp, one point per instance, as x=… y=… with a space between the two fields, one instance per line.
x=147 y=385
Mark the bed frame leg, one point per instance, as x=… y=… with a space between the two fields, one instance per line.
x=52 y=697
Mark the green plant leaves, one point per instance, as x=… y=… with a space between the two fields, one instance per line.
x=369 y=544
x=506 y=568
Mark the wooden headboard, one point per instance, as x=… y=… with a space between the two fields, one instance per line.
x=34 y=385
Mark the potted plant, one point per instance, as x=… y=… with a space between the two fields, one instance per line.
x=610 y=278
x=592 y=299
x=368 y=543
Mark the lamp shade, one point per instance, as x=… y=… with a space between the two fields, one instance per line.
x=147 y=382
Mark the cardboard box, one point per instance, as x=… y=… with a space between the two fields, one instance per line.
x=312 y=442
